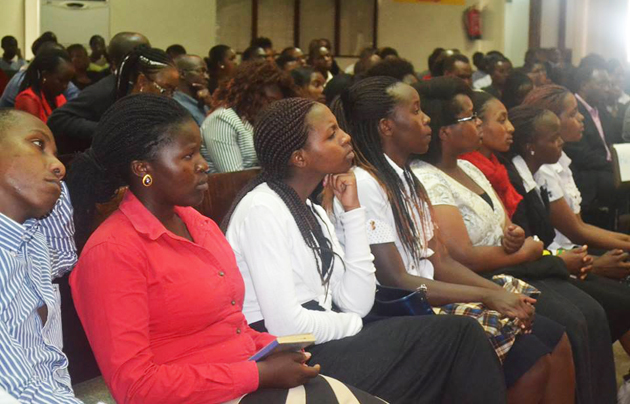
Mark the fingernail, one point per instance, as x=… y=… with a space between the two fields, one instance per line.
x=308 y=355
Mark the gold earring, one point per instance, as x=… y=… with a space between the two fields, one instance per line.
x=147 y=180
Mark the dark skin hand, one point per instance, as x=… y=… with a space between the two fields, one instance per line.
x=286 y=370
x=613 y=264
x=513 y=238
x=578 y=262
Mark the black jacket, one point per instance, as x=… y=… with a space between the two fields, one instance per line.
x=74 y=123
x=532 y=214
x=593 y=174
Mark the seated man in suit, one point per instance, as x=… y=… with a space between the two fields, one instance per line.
x=591 y=156
x=73 y=124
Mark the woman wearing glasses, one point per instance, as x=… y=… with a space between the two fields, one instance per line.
x=477 y=232
x=147 y=70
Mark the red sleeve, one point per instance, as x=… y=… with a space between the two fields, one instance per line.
x=261 y=339
x=109 y=287
x=24 y=102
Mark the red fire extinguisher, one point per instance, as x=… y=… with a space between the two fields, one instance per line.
x=472 y=22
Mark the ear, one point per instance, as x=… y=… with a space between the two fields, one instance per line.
x=140 y=168
x=445 y=132
x=142 y=81
x=298 y=159
x=386 y=127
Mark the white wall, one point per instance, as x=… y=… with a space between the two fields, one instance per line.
x=516 y=30
x=416 y=29
x=165 y=22
x=12 y=21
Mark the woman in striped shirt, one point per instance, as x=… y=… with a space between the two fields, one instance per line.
x=227 y=133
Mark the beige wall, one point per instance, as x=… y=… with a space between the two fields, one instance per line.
x=165 y=22
x=516 y=30
x=12 y=20
x=416 y=29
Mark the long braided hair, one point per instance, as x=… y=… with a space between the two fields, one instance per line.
x=280 y=130
x=141 y=60
x=359 y=110
x=134 y=128
x=48 y=60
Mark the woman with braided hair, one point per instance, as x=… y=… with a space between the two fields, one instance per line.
x=147 y=70
x=227 y=132
x=476 y=230
x=157 y=287
x=298 y=278
x=388 y=127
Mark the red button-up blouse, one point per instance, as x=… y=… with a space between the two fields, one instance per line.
x=35 y=104
x=163 y=314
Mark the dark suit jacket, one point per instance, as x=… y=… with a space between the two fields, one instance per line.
x=75 y=122
x=593 y=174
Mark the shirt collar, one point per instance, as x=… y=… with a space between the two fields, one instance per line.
x=399 y=170
x=143 y=220
x=526 y=175
x=181 y=96
x=591 y=110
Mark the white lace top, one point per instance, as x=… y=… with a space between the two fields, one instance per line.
x=483 y=222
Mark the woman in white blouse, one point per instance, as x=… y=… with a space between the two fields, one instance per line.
x=538 y=146
x=227 y=133
x=474 y=227
x=388 y=126
x=299 y=279
x=564 y=196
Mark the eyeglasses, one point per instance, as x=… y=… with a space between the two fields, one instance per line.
x=467 y=119
x=164 y=91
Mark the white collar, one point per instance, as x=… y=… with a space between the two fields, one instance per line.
x=526 y=175
x=399 y=170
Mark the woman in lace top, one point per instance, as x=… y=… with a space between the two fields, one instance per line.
x=458 y=193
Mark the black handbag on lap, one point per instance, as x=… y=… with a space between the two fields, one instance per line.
x=393 y=302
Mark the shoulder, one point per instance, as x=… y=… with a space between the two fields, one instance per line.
x=116 y=230
x=260 y=203
x=428 y=174
x=475 y=173
x=27 y=94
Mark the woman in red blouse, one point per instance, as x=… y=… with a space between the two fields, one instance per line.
x=157 y=287
x=46 y=79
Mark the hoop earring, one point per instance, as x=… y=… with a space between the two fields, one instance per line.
x=147 y=180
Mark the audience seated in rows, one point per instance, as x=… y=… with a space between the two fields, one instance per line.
x=475 y=229
x=383 y=111
x=157 y=286
x=299 y=279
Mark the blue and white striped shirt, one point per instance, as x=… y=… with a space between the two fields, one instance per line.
x=33 y=367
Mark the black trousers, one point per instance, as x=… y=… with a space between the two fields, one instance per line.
x=419 y=359
x=614 y=297
x=587 y=327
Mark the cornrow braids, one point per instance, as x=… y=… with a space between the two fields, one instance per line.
x=551 y=97
x=524 y=119
x=134 y=128
x=361 y=107
x=142 y=60
x=48 y=60
x=280 y=130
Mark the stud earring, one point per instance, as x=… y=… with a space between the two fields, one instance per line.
x=44 y=80
x=147 y=180
x=222 y=66
x=532 y=152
